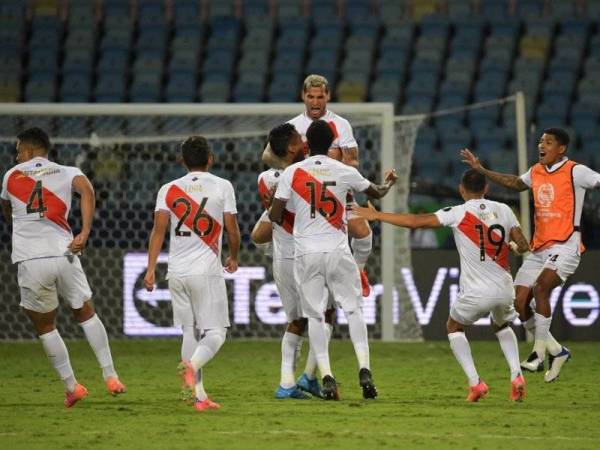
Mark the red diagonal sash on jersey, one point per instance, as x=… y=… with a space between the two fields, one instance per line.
x=212 y=239
x=21 y=186
x=263 y=190
x=467 y=226
x=333 y=129
x=288 y=221
x=300 y=185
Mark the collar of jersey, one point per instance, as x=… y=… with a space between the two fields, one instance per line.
x=557 y=165
x=327 y=112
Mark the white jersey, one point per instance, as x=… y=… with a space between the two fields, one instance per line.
x=283 y=237
x=344 y=137
x=196 y=203
x=316 y=190
x=40 y=193
x=481 y=231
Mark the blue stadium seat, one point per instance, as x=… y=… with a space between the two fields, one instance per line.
x=215 y=91
x=110 y=88
x=76 y=88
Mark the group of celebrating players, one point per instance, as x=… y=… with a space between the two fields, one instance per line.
x=309 y=216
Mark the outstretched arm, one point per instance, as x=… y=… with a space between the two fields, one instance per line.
x=379 y=190
x=398 y=219
x=504 y=179
x=157 y=237
x=84 y=188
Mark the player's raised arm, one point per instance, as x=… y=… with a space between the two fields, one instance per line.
x=157 y=237
x=379 y=190
x=504 y=179
x=233 y=240
x=84 y=188
x=398 y=219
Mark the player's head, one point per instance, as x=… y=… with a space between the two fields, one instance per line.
x=553 y=145
x=286 y=143
x=319 y=137
x=196 y=153
x=472 y=184
x=315 y=94
x=32 y=142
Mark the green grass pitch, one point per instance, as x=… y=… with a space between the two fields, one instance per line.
x=422 y=401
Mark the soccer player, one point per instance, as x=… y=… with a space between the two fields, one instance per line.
x=36 y=199
x=558 y=186
x=483 y=231
x=287 y=144
x=198 y=205
x=316 y=94
x=315 y=189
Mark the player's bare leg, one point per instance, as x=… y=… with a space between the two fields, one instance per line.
x=291 y=345
x=362 y=244
x=558 y=355
x=462 y=352
x=96 y=336
x=508 y=343
x=57 y=353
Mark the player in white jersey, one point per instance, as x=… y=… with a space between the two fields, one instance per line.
x=484 y=231
x=316 y=94
x=558 y=186
x=36 y=199
x=315 y=189
x=198 y=206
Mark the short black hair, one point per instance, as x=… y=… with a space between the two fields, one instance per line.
x=36 y=137
x=473 y=181
x=195 y=152
x=279 y=138
x=319 y=137
x=560 y=134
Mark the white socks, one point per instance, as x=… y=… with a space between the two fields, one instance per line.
x=289 y=350
x=361 y=249
x=188 y=343
x=510 y=348
x=552 y=345
x=96 y=335
x=317 y=337
x=359 y=337
x=542 y=330
x=206 y=349
x=311 y=362
x=462 y=352
x=529 y=325
x=57 y=353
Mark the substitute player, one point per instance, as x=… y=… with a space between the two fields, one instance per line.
x=36 y=198
x=482 y=231
x=558 y=186
x=316 y=94
x=315 y=189
x=198 y=205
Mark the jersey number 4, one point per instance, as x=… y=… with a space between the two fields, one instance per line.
x=200 y=214
x=35 y=204
x=492 y=238
x=324 y=199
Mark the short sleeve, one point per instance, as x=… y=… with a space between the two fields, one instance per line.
x=585 y=177
x=346 y=136
x=284 y=187
x=229 y=205
x=4 y=192
x=355 y=180
x=526 y=177
x=511 y=218
x=161 y=199
x=73 y=172
x=450 y=216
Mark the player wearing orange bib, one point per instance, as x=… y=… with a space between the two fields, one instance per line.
x=558 y=186
x=36 y=199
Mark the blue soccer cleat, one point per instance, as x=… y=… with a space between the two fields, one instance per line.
x=310 y=386
x=293 y=392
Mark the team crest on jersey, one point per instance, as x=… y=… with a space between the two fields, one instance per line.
x=446 y=209
x=546 y=194
x=482 y=206
x=38 y=165
x=276 y=174
x=318 y=163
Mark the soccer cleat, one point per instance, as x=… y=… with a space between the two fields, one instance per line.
x=188 y=379
x=330 y=391
x=517 y=392
x=293 y=392
x=79 y=393
x=478 y=391
x=310 y=386
x=555 y=363
x=533 y=363
x=114 y=386
x=365 y=381
x=207 y=403
x=364 y=281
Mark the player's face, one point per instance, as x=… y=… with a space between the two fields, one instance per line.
x=315 y=99
x=550 y=150
x=296 y=147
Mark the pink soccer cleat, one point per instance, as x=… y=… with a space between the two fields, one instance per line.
x=188 y=379
x=114 y=386
x=364 y=282
x=517 y=392
x=478 y=391
x=79 y=393
x=206 y=404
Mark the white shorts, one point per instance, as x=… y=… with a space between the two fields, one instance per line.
x=199 y=301
x=42 y=280
x=336 y=270
x=468 y=310
x=283 y=273
x=561 y=258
